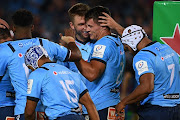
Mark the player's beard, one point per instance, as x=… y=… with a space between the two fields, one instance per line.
x=80 y=34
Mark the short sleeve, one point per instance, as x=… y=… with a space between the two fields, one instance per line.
x=83 y=89
x=4 y=58
x=57 y=51
x=142 y=64
x=101 y=50
x=34 y=85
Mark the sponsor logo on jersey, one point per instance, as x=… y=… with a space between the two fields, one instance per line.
x=30 y=83
x=20 y=55
x=64 y=72
x=171 y=96
x=141 y=66
x=162 y=58
x=99 y=51
x=20 y=44
x=167 y=56
x=55 y=73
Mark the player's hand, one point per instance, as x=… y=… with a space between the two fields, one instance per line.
x=107 y=21
x=121 y=115
x=69 y=32
x=120 y=112
x=66 y=39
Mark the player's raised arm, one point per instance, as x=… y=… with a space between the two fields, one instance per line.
x=107 y=20
x=75 y=54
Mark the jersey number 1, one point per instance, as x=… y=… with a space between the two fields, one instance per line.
x=66 y=88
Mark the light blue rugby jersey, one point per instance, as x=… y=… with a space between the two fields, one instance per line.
x=6 y=89
x=108 y=50
x=57 y=87
x=163 y=62
x=13 y=59
x=85 y=49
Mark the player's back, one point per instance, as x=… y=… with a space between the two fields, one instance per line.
x=6 y=89
x=18 y=71
x=61 y=89
x=165 y=66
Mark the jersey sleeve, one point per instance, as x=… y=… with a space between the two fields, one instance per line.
x=83 y=89
x=57 y=51
x=4 y=58
x=34 y=86
x=101 y=50
x=142 y=63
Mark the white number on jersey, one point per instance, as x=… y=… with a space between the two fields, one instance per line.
x=66 y=88
x=171 y=67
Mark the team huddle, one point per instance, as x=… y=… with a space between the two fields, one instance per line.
x=79 y=78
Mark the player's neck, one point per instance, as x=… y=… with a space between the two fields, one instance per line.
x=103 y=33
x=23 y=35
x=83 y=40
x=43 y=61
x=143 y=43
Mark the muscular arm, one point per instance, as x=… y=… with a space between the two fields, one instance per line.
x=111 y=23
x=91 y=70
x=75 y=52
x=141 y=91
x=69 y=42
x=30 y=110
x=91 y=109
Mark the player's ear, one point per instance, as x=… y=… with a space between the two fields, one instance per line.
x=32 y=28
x=13 y=28
x=71 y=25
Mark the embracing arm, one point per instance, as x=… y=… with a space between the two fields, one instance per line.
x=141 y=91
x=91 y=70
x=75 y=54
x=88 y=103
x=30 y=110
x=111 y=23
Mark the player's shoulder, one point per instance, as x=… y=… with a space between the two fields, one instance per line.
x=39 y=72
x=5 y=49
x=110 y=40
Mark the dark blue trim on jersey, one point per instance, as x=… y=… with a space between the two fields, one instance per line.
x=85 y=91
x=151 y=43
x=1 y=77
x=150 y=52
x=99 y=60
x=67 y=56
x=40 y=41
x=22 y=38
x=81 y=41
x=11 y=47
x=33 y=99
x=44 y=68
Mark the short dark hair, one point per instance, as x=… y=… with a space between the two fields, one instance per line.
x=78 y=9
x=4 y=33
x=22 y=18
x=95 y=12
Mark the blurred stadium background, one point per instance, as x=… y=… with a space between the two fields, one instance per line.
x=51 y=18
x=51 y=15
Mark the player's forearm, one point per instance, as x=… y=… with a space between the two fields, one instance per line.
x=92 y=112
x=119 y=29
x=29 y=116
x=137 y=95
x=87 y=70
x=91 y=109
x=75 y=52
